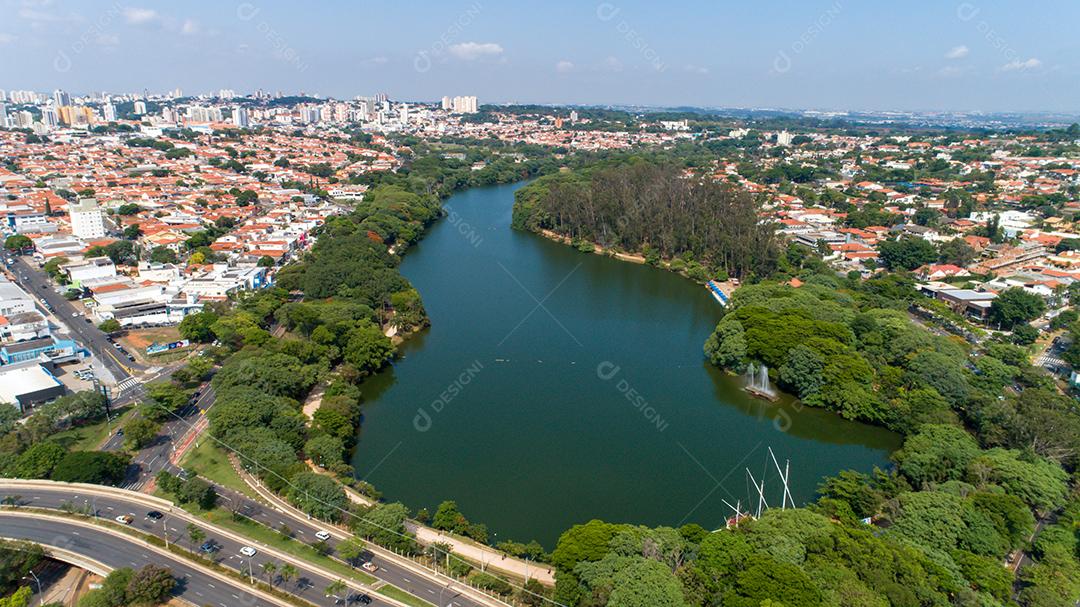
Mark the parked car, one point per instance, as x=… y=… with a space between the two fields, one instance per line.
x=248 y=551
x=372 y=567
x=322 y=535
x=209 y=547
x=126 y=519
x=154 y=515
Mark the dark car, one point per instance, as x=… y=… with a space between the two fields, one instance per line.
x=365 y=599
x=209 y=547
x=154 y=515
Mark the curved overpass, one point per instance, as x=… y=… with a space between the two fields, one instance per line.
x=99 y=550
x=109 y=502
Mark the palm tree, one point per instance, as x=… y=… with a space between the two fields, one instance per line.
x=195 y=534
x=287 y=573
x=268 y=568
x=333 y=588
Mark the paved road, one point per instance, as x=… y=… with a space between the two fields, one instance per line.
x=118 y=551
x=304 y=531
x=35 y=281
x=307 y=585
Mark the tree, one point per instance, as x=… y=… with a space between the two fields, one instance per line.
x=646 y=583
x=906 y=253
x=266 y=262
x=139 y=432
x=288 y=572
x=956 y=252
x=38 y=461
x=1015 y=305
x=350 y=550
x=268 y=569
x=385 y=525
x=132 y=232
x=18 y=242
x=318 y=495
x=334 y=588
x=198 y=326
x=150 y=585
x=195 y=534
x=325 y=450
x=937 y=453
x=162 y=254
x=110 y=326
x=99 y=468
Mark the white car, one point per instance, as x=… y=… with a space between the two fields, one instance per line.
x=125 y=519
x=248 y=551
x=322 y=535
x=372 y=567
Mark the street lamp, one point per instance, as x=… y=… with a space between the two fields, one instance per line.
x=41 y=596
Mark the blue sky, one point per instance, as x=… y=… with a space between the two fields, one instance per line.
x=826 y=54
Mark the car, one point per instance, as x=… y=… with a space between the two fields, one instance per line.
x=372 y=567
x=154 y=515
x=248 y=551
x=322 y=535
x=126 y=519
x=209 y=547
x=120 y=432
x=74 y=314
x=130 y=358
x=117 y=345
x=87 y=319
x=365 y=599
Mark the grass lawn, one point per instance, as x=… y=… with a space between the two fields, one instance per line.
x=397 y=593
x=90 y=437
x=211 y=462
x=295 y=547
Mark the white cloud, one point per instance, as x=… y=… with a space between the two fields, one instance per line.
x=190 y=27
x=475 y=50
x=140 y=16
x=958 y=52
x=372 y=61
x=611 y=64
x=696 y=69
x=1018 y=65
x=564 y=66
x=6 y=38
x=949 y=72
x=107 y=40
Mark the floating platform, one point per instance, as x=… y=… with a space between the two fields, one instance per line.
x=759 y=393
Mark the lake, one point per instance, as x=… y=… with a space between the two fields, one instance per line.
x=555 y=387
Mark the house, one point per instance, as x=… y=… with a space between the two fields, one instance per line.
x=940 y=271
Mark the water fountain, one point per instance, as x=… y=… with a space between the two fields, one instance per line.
x=757 y=382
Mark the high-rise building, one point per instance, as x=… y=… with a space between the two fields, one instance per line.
x=60 y=98
x=76 y=115
x=3 y=115
x=240 y=117
x=50 y=117
x=447 y=103
x=403 y=114
x=108 y=112
x=24 y=119
x=87 y=219
x=3 y=95
x=463 y=105
x=784 y=138
x=140 y=108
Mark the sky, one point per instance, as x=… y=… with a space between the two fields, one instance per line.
x=970 y=55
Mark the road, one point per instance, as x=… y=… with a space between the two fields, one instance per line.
x=37 y=283
x=117 y=551
x=304 y=531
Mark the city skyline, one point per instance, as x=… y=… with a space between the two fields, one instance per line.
x=968 y=56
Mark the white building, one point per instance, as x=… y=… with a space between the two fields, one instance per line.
x=240 y=117
x=87 y=219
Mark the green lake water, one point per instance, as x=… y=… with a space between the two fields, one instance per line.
x=555 y=387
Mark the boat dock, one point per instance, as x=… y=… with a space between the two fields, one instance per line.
x=716 y=288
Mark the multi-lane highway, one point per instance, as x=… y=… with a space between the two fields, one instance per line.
x=307 y=583
x=441 y=594
x=116 y=550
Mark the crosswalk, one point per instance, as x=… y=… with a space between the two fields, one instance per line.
x=127 y=384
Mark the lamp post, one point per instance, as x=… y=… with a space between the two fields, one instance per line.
x=41 y=596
